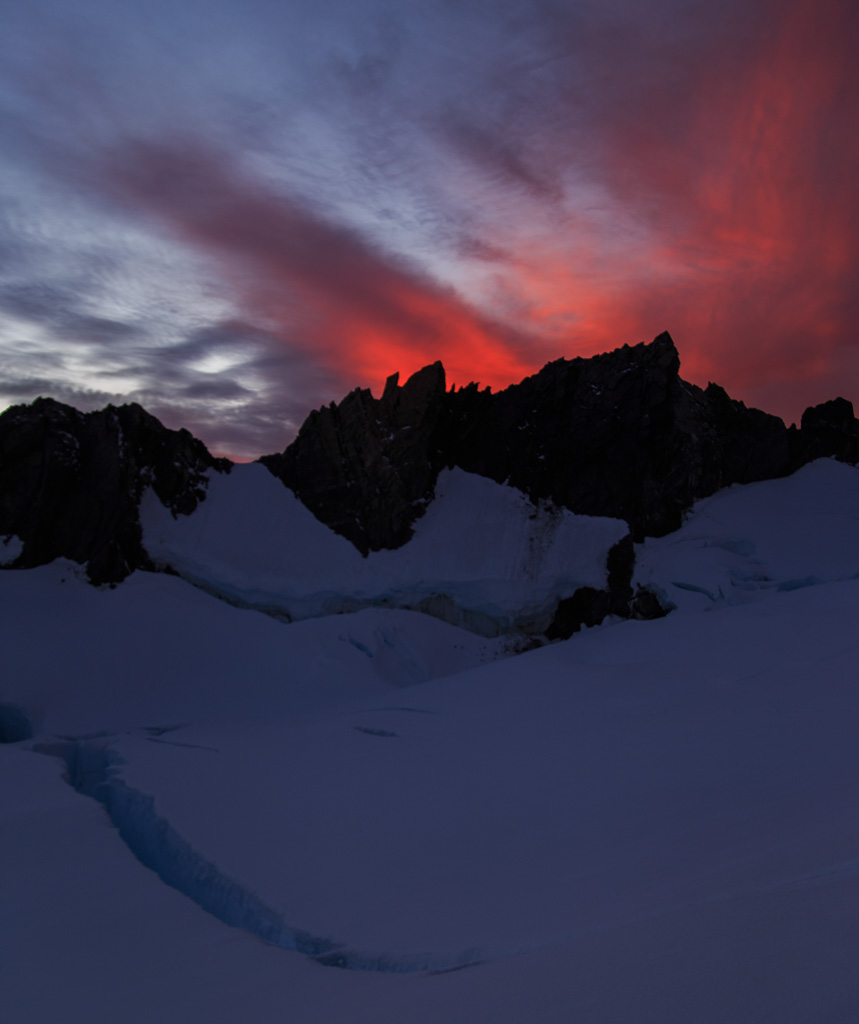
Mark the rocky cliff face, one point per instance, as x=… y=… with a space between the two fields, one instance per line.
x=829 y=429
x=618 y=435
x=367 y=466
x=71 y=482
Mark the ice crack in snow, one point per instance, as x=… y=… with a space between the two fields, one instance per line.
x=92 y=771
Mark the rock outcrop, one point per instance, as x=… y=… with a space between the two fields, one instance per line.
x=367 y=467
x=618 y=435
x=71 y=482
x=829 y=429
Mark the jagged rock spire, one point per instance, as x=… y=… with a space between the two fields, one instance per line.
x=619 y=434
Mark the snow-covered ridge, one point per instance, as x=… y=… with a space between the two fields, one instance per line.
x=747 y=542
x=483 y=556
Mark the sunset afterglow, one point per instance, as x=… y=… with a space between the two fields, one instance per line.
x=233 y=214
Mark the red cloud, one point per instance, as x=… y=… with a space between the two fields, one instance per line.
x=357 y=308
x=726 y=208
x=728 y=214
x=750 y=189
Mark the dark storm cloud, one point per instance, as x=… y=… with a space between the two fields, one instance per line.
x=98 y=328
x=239 y=420
x=235 y=418
x=48 y=306
x=253 y=406
x=26 y=389
x=33 y=300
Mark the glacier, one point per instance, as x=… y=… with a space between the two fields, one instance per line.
x=483 y=556
x=746 y=542
x=652 y=821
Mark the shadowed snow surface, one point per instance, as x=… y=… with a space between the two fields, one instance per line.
x=651 y=822
x=744 y=543
x=483 y=556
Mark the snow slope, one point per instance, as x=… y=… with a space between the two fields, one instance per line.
x=520 y=804
x=483 y=556
x=650 y=822
x=746 y=542
x=155 y=651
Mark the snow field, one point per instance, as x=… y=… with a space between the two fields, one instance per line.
x=534 y=800
x=653 y=822
x=156 y=652
x=743 y=543
x=483 y=556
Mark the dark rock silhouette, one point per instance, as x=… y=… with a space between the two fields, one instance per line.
x=619 y=435
x=366 y=467
x=829 y=429
x=71 y=482
x=588 y=606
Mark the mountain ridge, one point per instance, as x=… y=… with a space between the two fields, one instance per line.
x=618 y=435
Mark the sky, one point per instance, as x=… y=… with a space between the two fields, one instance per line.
x=234 y=212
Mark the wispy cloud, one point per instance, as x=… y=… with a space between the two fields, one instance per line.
x=330 y=290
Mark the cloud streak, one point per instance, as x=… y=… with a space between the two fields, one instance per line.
x=331 y=292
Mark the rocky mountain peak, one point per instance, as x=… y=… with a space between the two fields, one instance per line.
x=364 y=467
x=830 y=429
x=409 y=402
x=619 y=434
x=71 y=482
